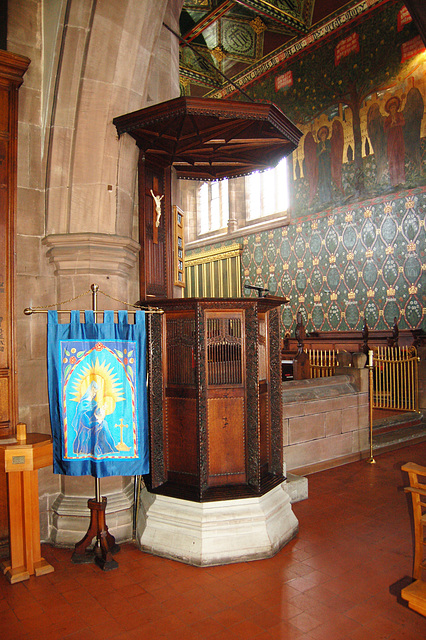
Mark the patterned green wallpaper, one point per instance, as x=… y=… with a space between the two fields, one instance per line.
x=346 y=264
x=343 y=265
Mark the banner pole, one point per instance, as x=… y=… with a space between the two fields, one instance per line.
x=370 y=368
x=95 y=288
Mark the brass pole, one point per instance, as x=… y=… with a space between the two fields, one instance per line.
x=95 y=288
x=370 y=368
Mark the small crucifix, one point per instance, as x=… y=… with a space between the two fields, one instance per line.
x=157 y=201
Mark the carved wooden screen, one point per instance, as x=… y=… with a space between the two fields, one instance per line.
x=180 y=351
x=224 y=342
x=226 y=397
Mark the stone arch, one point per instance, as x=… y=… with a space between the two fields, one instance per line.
x=108 y=54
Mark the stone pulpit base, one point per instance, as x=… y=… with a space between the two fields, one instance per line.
x=219 y=532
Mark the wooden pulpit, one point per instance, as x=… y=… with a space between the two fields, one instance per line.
x=21 y=461
x=215 y=398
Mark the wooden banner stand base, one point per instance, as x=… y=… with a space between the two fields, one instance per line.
x=105 y=545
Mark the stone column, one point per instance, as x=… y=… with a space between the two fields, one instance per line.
x=237 y=208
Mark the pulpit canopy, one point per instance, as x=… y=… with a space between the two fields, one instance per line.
x=208 y=139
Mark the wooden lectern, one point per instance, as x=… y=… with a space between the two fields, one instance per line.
x=21 y=461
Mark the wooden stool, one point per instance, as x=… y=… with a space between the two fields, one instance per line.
x=21 y=461
x=415 y=593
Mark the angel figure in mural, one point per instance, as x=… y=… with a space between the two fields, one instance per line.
x=157 y=201
x=413 y=115
x=394 y=128
x=396 y=135
x=323 y=161
x=376 y=133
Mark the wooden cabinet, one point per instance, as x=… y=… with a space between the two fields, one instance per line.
x=215 y=398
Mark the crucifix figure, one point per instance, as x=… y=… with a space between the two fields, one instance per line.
x=157 y=201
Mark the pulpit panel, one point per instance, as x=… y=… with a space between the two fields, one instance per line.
x=181 y=438
x=226 y=439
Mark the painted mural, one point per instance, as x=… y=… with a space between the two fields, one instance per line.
x=359 y=97
x=355 y=248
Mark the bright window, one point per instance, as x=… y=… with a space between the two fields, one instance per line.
x=213 y=206
x=267 y=192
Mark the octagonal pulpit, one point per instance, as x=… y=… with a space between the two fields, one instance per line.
x=215 y=398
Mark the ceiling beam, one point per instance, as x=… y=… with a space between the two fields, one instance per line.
x=268 y=10
x=207 y=21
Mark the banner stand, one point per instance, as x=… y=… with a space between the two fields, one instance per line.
x=105 y=545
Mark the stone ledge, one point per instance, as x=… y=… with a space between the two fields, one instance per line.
x=314 y=389
x=82 y=253
x=70 y=517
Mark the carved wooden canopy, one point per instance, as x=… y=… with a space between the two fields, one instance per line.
x=208 y=139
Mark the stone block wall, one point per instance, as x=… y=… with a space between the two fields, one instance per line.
x=325 y=423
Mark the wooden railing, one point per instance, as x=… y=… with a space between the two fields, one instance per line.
x=395 y=368
x=352 y=341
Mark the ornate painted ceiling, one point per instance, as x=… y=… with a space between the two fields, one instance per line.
x=222 y=38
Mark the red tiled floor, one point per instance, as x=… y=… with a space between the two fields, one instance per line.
x=338 y=580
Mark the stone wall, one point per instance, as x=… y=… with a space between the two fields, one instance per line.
x=325 y=422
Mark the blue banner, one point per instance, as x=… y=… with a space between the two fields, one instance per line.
x=97 y=394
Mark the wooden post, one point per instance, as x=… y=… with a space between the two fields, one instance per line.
x=21 y=461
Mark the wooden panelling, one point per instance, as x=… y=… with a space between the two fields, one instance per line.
x=181 y=426
x=226 y=440
x=12 y=69
x=155 y=231
x=4 y=400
